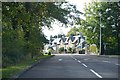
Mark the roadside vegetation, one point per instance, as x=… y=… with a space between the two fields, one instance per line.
x=61 y=49
x=109 y=13
x=10 y=71
x=22 y=37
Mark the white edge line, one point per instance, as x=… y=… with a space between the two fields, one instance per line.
x=117 y=64
x=84 y=64
x=96 y=73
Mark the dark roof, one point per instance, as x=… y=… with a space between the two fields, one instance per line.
x=72 y=38
x=63 y=39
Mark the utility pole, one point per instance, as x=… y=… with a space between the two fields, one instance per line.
x=100 y=36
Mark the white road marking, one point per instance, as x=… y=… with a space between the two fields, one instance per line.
x=72 y=57
x=106 y=61
x=59 y=59
x=85 y=59
x=84 y=64
x=75 y=59
x=117 y=64
x=96 y=73
x=79 y=61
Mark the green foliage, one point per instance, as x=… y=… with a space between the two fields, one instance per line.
x=73 y=50
x=110 y=25
x=22 y=24
x=73 y=31
x=93 y=49
x=61 y=49
x=15 y=69
x=90 y=26
x=69 y=50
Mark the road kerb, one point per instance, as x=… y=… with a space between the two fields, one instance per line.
x=29 y=67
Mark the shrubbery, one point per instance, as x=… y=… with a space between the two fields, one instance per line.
x=21 y=38
x=61 y=50
x=82 y=51
x=69 y=50
x=22 y=24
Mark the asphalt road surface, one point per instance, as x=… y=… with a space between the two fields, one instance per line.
x=75 y=66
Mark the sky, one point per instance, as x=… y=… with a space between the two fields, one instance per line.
x=56 y=26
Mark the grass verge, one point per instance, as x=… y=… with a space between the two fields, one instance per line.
x=13 y=70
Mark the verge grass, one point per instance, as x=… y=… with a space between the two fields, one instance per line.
x=13 y=70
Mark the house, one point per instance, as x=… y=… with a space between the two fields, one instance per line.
x=75 y=42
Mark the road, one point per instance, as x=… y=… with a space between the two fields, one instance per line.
x=75 y=66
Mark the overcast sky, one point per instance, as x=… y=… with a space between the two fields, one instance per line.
x=56 y=26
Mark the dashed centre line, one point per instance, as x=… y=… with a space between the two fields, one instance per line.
x=96 y=73
x=79 y=61
x=75 y=59
x=84 y=65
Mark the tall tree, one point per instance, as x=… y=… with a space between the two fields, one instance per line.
x=22 y=23
x=110 y=13
x=73 y=31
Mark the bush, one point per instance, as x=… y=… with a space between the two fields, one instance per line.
x=74 y=50
x=49 y=53
x=82 y=51
x=61 y=49
x=69 y=50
